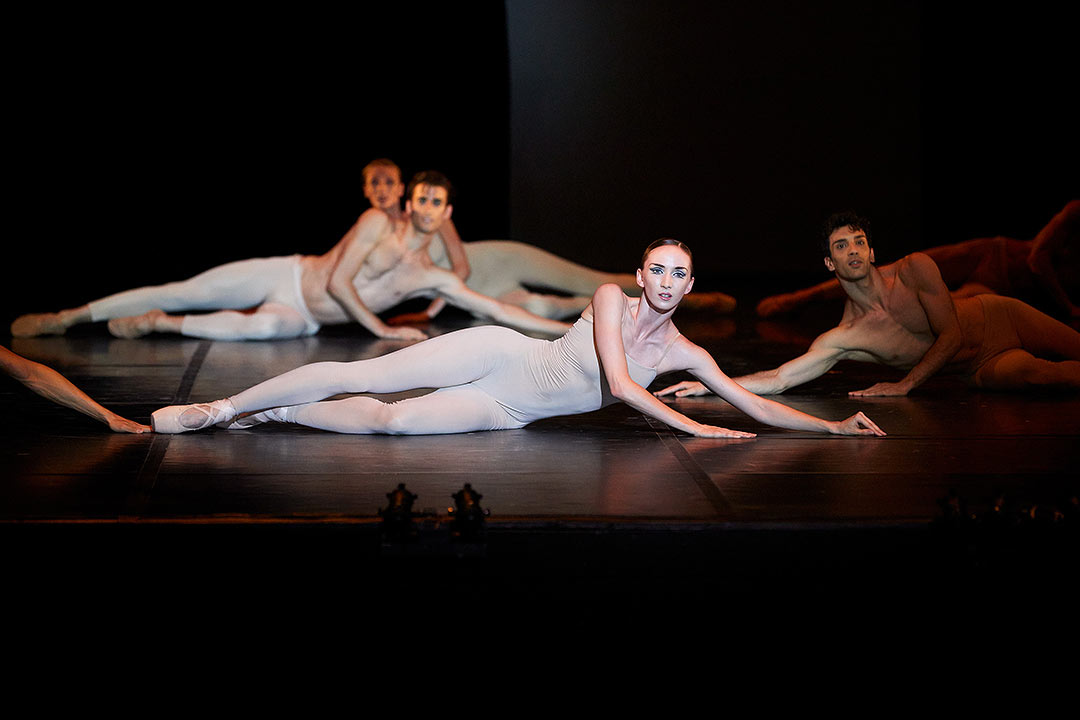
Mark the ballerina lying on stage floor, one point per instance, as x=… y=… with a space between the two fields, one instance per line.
x=493 y=378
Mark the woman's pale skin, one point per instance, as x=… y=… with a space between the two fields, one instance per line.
x=50 y=384
x=642 y=328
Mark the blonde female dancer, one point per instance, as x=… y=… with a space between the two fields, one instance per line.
x=493 y=378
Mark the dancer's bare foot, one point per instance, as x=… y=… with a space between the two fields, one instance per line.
x=135 y=326
x=36 y=324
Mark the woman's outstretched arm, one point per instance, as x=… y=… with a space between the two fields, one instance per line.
x=699 y=362
x=50 y=384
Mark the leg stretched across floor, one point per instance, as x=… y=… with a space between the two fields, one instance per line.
x=448 y=361
x=1044 y=352
x=270 y=284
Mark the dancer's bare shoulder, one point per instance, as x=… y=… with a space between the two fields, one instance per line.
x=917 y=270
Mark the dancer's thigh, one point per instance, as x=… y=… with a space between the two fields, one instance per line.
x=237 y=285
x=272 y=321
x=1040 y=334
x=234 y=286
x=277 y=320
x=547 y=305
x=443 y=361
x=455 y=410
x=1019 y=370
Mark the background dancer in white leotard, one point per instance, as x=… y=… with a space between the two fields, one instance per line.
x=512 y=272
x=492 y=378
x=379 y=263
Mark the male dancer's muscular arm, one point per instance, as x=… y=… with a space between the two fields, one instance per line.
x=360 y=240
x=826 y=351
x=921 y=274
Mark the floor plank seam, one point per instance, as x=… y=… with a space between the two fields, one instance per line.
x=712 y=493
x=155 y=454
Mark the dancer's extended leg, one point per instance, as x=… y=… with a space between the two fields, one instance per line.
x=269 y=321
x=501 y=266
x=452 y=410
x=1020 y=370
x=558 y=307
x=514 y=271
x=444 y=361
x=1041 y=334
x=233 y=286
x=1046 y=352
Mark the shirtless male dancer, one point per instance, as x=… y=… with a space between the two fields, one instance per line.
x=513 y=272
x=379 y=263
x=1048 y=263
x=902 y=315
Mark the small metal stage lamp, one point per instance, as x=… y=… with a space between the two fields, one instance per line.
x=397 y=517
x=467 y=517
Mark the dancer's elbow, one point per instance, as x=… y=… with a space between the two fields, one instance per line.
x=622 y=388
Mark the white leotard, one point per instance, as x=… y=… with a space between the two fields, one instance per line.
x=554 y=377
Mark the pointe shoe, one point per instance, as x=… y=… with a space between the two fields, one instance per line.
x=36 y=324
x=135 y=326
x=180 y=418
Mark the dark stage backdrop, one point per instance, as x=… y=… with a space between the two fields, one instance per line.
x=145 y=147
x=739 y=126
x=151 y=145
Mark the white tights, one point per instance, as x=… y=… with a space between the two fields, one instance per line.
x=467 y=365
x=270 y=284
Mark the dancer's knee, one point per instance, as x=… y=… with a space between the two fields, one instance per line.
x=268 y=326
x=1019 y=370
x=550 y=307
x=368 y=415
x=392 y=419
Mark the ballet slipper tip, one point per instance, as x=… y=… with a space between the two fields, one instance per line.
x=167 y=420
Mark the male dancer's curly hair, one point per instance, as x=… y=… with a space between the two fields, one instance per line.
x=845 y=219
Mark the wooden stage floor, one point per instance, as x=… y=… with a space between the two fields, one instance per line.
x=602 y=500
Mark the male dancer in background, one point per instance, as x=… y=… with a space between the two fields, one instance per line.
x=380 y=262
x=903 y=316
